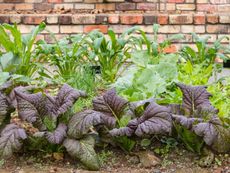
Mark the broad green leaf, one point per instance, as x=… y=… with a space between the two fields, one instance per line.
x=4 y=76
x=140 y=58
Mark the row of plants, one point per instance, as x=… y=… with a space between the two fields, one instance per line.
x=154 y=94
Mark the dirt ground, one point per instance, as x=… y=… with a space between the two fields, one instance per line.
x=177 y=161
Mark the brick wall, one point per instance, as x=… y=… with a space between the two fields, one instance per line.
x=64 y=17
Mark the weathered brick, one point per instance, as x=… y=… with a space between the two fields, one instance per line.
x=83 y=19
x=53 y=19
x=202 y=1
x=73 y=1
x=192 y=28
x=4 y=19
x=63 y=6
x=199 y=19
x=190 y=1
x=106 y=7
x=93 y=1
x=6 y=6
x=43 y=6
x=25 y=29
x=31 y=19
x=162 y=19
x=115 y=0
x=70 y=29
x=24 y=6
x=185 y=7
x=101 y=19
x=131 y=19
x=175 y=1
x=170 y=6
x=119 y=28
x=206 y=8
x=33 y=1
x=219 y=1
x=65 y=19
x=148 y=1
x=146 y=6
x=146 y=28
x=213 y=18
x=222 y=29
x=225 y=40
x=125 y=6
x=180 y=19
x=224 y=8
x=212 y=37
x=52 y=28
x=150 y=19
x=15 y=19
x=55 y=1
x=113 y=18
x=169 y=29
x=102 y=28
x=225 y=19
x=84 y=6
x=49 y=39
x=199 y=29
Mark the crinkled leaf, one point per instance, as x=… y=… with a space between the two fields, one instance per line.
x=185 y=121
x=110 y=104
x=214 y=134
x=194 y=97
x=11 y=140
x=66 y=97
x=80 y=123
x=156 y=119
x=83 y=150
x=58 y=135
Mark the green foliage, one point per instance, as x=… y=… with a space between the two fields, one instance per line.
x=110 y=54
x=221 y=99
x=17 y=56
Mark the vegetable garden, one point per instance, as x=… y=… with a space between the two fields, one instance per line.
x=91 y=92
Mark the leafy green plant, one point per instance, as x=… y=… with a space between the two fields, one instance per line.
x=110 y=54
x=17 y=56
x=197 y=66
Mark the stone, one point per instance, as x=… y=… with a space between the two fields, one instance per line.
x=148 y=159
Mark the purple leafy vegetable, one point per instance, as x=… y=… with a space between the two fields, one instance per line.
x=107 y=109
x=185 y=121
x=34 y=107
x=58 y=135
x=11 y=140
x=83 y=150
x=156 y=119
x=194 y=97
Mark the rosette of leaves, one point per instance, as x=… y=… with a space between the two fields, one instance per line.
x=108 y=112
x=151 y=119
x=46 y=112
x=200 y=122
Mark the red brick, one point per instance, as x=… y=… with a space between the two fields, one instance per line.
x=43 y=6
x=102 y=28
x=212 y=18
x=180 y=19
x=131 y=19
x=55 y=1
x=33 y=19
x=4 y=19
x=65 y=19
x=113 y=18
x=220 y=29
x=106 y=7
x=6 y=6
x=206 y=7
x=170 y=49
x=175 y=1
x=162 y=19
x=125 y=6
x=147 y=6
x=199 y=19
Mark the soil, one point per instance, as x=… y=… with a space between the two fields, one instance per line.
x=178 y=161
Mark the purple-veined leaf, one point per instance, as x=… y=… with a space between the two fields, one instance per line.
x=194 y=97
x=81 y=123
x=110 y=104
x=83 y=150
x=155 y=120
x=11 y=140
x=185 y=121
x=57 y=136
x=214 y=134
